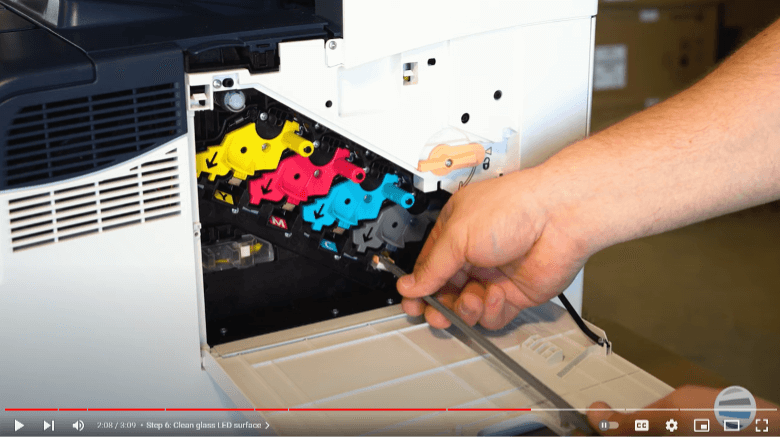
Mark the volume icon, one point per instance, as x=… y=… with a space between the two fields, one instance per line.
x=78 y=425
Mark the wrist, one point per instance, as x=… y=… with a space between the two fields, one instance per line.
x=568 y=202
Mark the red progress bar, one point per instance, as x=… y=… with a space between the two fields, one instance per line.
x=208 y=410
x=366 y=410
x=281 y=409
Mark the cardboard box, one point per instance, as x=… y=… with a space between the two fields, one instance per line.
x=645 y=54
x=749 y=17
x=651 y=53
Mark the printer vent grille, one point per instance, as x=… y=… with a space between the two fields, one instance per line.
x=146 y=192
x=57 y=140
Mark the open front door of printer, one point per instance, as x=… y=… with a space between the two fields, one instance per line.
x=380 y=372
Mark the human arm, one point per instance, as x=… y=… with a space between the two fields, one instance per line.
x=712 y=149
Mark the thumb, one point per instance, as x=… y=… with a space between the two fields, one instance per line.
x=441 y=258
x=597 y=412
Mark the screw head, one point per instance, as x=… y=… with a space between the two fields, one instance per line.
x=332 y=45
x=317 y=173
x=336 y=257
x=234 y=211
x=316 y=143
x=288 y=235
x=265 y=146
x=335 y=312
x=217 y=83
x=264 y=116
x=223 y=330
x=448 y=163
x=389 y=301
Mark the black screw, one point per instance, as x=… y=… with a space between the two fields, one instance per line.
x=432 y=61
x=464 y=118
x=497 y=94
x=328 y=104
x=243 y=150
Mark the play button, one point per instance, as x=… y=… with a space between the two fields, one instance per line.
x=46 y=425
x=17 y=425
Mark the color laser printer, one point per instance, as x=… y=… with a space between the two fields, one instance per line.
x=192 y=192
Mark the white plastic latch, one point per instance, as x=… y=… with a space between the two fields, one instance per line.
x=547 y=351
x=334 y=52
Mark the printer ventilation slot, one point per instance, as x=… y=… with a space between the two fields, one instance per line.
x=58 y=140
x=146 y=192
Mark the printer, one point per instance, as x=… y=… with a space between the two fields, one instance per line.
x=191 y=193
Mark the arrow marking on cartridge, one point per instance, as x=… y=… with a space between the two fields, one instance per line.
x=489 y=151
x=367 y=236
x=319 y=214
x=267 y=189
x=211 y=163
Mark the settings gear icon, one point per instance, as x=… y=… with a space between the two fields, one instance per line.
x=671 y=425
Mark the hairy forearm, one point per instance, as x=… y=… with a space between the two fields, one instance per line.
x=710 y=150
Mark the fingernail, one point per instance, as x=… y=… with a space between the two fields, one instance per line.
x=407 y=281
x=465 y=311
x=493 y=299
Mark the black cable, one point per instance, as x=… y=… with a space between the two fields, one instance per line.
x=588 y=332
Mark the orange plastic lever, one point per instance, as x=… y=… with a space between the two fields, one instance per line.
x=443 y=159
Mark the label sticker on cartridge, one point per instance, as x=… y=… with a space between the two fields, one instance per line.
x=224 y=197
x=277 y=222
x=329 y=245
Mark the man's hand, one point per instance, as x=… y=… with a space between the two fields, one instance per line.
x=493 y=252
x=688 y=398
x=503 y=245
